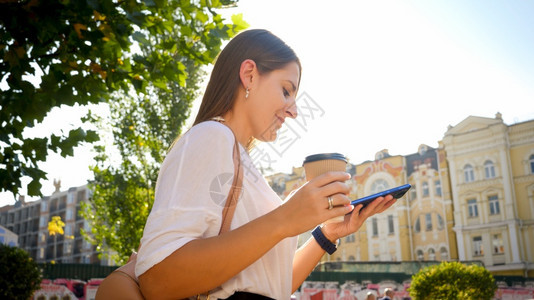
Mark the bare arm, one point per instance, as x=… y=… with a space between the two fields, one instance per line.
x=221 y=257
x=307 y=257
x=183 y=273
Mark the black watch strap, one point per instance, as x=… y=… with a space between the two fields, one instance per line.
x=327 y=245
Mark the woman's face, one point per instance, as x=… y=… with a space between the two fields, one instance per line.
x=272 y=100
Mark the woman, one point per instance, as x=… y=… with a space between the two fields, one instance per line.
x=252 y=90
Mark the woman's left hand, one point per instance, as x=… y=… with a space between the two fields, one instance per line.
x=354 y=220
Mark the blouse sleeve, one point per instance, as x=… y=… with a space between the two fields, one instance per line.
x=192 y=187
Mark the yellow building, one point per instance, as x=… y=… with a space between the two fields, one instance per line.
x=472 y=199
x=430 y=206
x=383 y=237
x=492 y=179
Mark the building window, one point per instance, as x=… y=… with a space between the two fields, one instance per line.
x=444 y=254
x=489 y=169
x=44 y=206
x=498 y=246
x=428 y=222
x=469 y=173
x=417 y=225
x=41 y=253
x=531 y=163
x=413 y=193
x=375 y=226
x=420 y=255
x=422 y=149
x=441 y=224
x=70 y=198
x=494 y=205
x=478 y=249
x=69 y=214
x=68 y=230
x=350 y=238
x=379 y=185
x=81 y=196
x=438 y=187
x=68 y=247
x=425 y=189
x=391 y=226
x=431 y=254
x=472 y=207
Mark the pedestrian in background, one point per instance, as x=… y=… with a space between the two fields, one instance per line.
x=388 y=294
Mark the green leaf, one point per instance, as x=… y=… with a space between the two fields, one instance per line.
x=34 y=188
x=140 y=37
x=143 y=59
x=239 y=23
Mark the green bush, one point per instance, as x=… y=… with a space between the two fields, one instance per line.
x=21 y=276
x=453 y=280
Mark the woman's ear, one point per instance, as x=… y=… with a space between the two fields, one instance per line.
x=247 y=73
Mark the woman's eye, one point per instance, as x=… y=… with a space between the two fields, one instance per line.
x=286 y=93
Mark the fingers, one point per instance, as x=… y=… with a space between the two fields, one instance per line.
x=379 y=205
x=339 y=192
x=329 y=177
x=331 y=184
x=337 y=200
x=341 y=210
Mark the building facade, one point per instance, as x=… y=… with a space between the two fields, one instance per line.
x=492 y=178
x=30 y=222
x=429 y=206
x=472 y=198
x=383 y=236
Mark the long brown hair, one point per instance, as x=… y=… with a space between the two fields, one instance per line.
x=268 y=52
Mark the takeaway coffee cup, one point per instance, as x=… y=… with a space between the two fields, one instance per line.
x=317 y=164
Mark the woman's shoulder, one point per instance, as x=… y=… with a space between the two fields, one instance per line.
x=211 y=130
x=203 y=140
x=210 y=134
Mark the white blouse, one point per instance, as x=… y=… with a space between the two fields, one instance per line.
x=191 y=191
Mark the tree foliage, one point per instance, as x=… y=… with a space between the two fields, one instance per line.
x=453 y=280
x=21 y=276
x=84 y=52
x=142 y=126
x=55 y=226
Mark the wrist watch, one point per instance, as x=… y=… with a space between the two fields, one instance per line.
x=327 y=245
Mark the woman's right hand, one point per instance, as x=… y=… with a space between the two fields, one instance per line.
x=307 y=207
x=229 y=253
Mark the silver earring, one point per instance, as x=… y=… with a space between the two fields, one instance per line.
x=247 y=93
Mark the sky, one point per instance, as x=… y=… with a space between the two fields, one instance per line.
x=376 y=75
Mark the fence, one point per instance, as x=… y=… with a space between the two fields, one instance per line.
x=75 y=271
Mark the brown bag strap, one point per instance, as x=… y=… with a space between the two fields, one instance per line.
x=235 y=191
x=128 y=270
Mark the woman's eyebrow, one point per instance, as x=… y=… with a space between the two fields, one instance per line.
x=293 y=86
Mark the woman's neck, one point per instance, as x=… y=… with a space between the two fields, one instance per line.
x=238 y=126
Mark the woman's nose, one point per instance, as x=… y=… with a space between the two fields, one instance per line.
x=291 y=111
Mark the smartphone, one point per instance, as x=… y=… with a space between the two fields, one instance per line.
x=396 y=192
